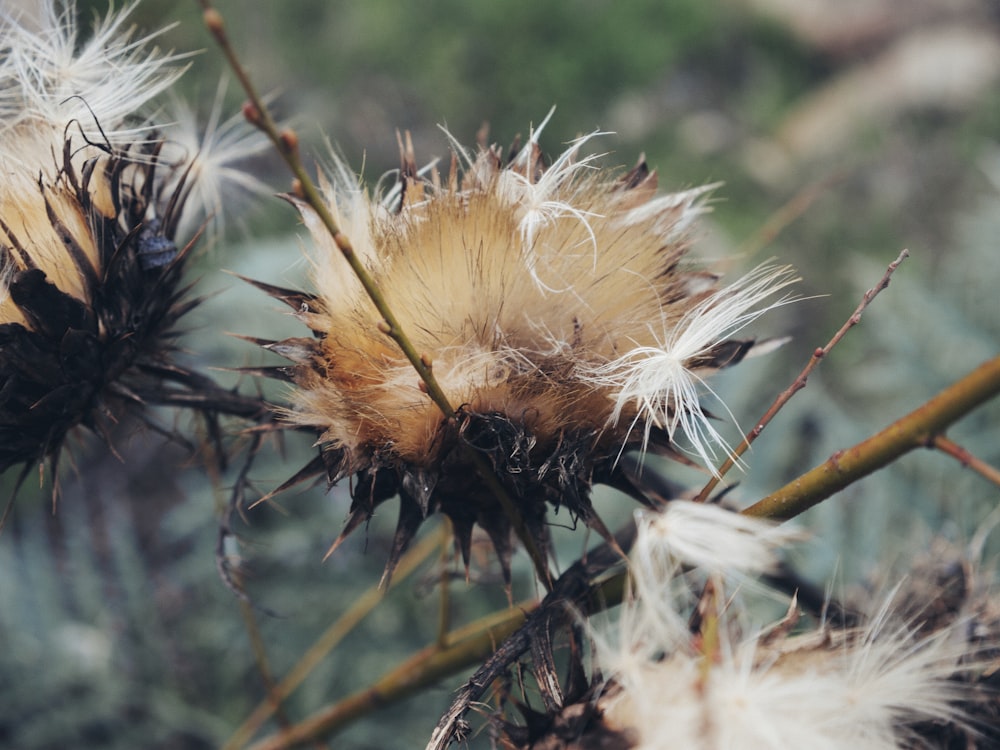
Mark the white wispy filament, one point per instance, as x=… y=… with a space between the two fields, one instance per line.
x=762 y=689
x=52 y=77
x=544 y=199
x=707 y=541
x=658 y=383
x=709 y=537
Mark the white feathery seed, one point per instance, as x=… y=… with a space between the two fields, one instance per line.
x=90 y=95
x=685 y=543
x=209 y=152
x=670 y=215
x=863 y=693
x=766 y=690
x=538 y=206
x=53 y=79
x=708 y=537
x=658 y=381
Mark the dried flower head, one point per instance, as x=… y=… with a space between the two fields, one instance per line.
x=910 y=673
x=90 y=257
x=561 y=318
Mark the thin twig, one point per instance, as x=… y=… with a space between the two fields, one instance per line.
x=915 y=430
x=286 y=143
x=273 y=699
x=800 y=382
x=964 y=457
x=235 y=503
x=444 y=581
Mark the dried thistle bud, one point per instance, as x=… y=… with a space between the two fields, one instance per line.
x=563 y=321
x=90 y=253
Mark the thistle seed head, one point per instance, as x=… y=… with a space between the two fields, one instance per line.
x=563 y=318
x=91 y=256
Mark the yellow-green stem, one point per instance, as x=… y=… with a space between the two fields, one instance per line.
x=917 y=429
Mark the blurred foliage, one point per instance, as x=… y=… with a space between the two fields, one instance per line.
x=118 y=632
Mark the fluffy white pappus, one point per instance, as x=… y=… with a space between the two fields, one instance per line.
x=538 y=206
x=661 y=383
x=52 y=77
x=79 y=144
x=207 y=154
x=542 y=196
x=863 y=689
x=709 y=537
x=671 y=215
x=680 y=547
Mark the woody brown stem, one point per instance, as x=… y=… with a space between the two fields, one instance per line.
x=964 y=457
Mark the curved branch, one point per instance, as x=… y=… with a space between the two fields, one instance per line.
x=916 y=430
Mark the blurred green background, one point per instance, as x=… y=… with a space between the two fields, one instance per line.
x=117 y=630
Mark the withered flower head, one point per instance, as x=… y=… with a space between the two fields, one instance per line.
x=896 y=678
x=563 y=321
x=89 y=209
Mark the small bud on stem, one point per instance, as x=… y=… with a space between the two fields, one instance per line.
x=252 y=114
x=213 y=22
x=289 y=140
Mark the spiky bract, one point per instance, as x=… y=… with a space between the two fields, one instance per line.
x=535 y=290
